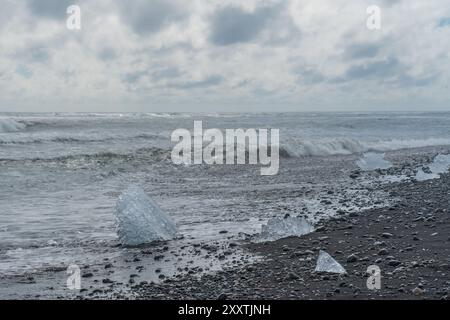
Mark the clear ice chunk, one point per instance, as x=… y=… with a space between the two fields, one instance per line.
x=440 y=164
x=372 y=161
x=326 y=263
x=140 y=220
x=423 y=176
x=278 y=228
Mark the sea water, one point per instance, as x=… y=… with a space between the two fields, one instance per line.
x=61 y=176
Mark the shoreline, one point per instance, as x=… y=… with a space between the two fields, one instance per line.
x=409 y=241
x=407 y=236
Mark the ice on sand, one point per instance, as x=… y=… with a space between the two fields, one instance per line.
x=140 y=220
x=440 y=164
x=372 y=161
x=278 y=228
x=326 y=263
x=423 y=176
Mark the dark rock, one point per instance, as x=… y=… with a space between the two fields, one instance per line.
x=394 y=263
x=387 y=235
x=417 y=291
x=292 y=276
x=222 y=296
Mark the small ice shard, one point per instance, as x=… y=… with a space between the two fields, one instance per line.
x=326 y=263
x=372 y=161
x=140 y=220
x=440 y=164
x=423 y=176
x=394 y=178
x=278 y=228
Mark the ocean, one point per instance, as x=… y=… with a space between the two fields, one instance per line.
x=62 y=173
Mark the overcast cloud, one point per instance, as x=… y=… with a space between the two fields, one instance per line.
x=224 y=55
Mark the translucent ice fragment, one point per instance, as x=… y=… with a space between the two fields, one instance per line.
x=440 y=164
x=325 y=263
x=372 y=161
x=422 y=176
x=278 y=228
x=140 y=220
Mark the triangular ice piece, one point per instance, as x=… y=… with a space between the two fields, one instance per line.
x=140 y=220
x=326 y=263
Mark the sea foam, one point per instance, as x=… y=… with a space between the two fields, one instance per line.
x=347 y=146
x=10 y=125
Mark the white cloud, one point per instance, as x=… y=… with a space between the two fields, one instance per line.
x=224 y=56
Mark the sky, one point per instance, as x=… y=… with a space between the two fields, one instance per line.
x=224 y=55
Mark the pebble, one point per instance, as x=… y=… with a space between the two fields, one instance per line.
x=292 y=276
x=394 y=263
x=87 y=275
x=417 y=291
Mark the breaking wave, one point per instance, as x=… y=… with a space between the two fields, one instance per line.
x=72 y=139
x=346 y=146
x=151 y=154
x=10 y=125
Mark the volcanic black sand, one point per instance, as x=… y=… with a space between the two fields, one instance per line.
x=409 y=241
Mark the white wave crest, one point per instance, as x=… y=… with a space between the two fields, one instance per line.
x=346 y=146
x=10 y=125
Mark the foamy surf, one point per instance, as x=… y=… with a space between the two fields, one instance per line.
x=10 y=125
x=348 y=146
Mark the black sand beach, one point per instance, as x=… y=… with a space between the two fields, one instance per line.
x=408 y=241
